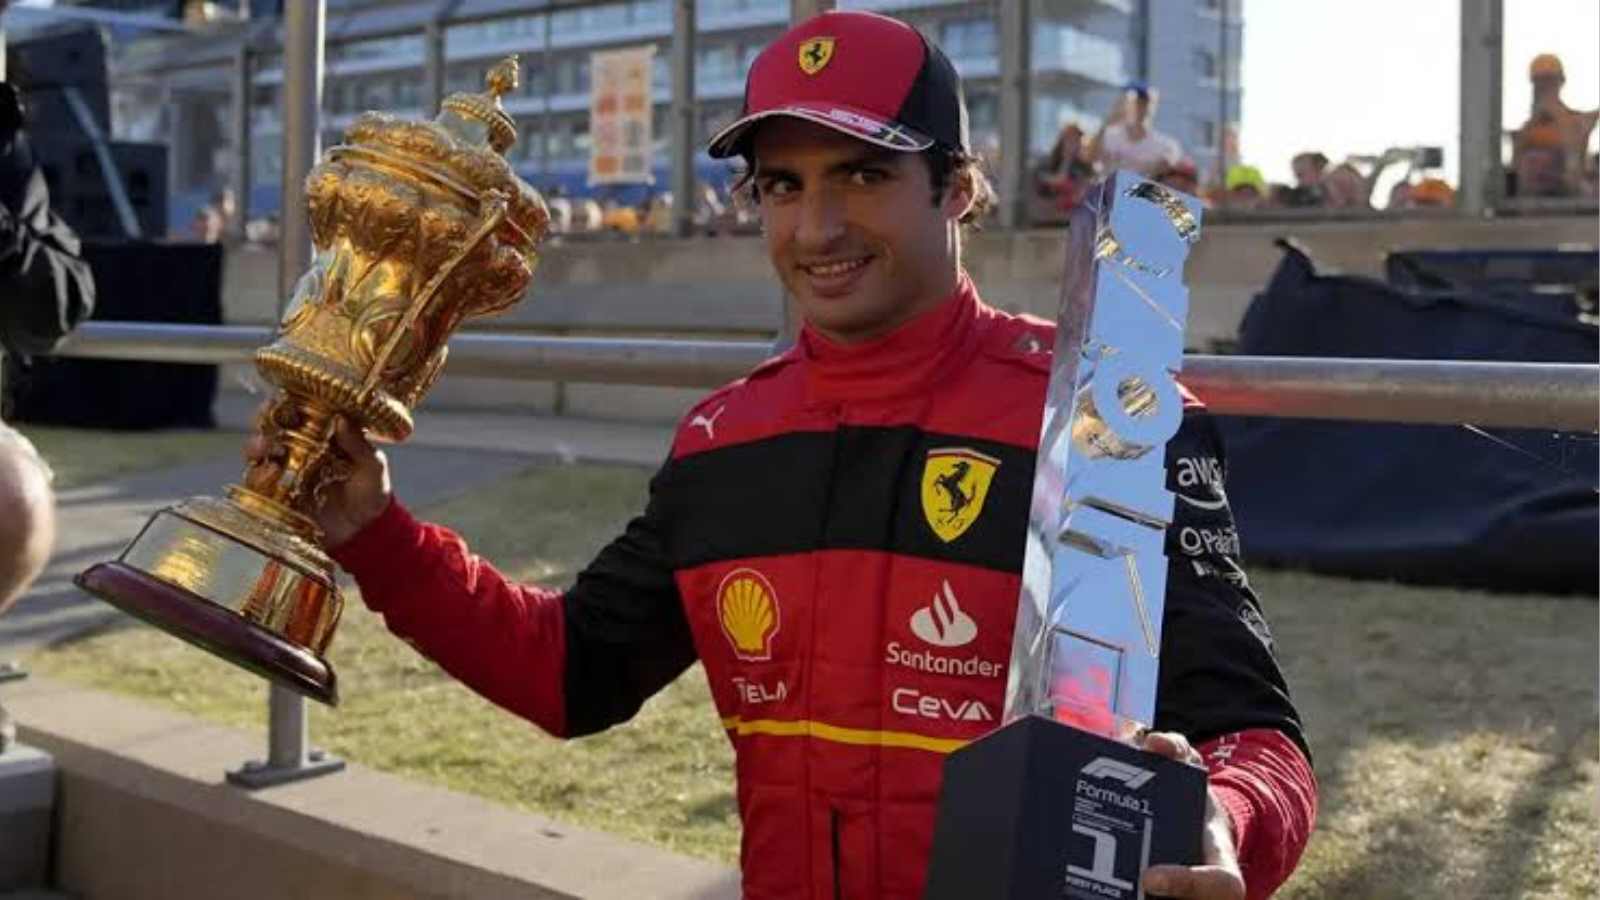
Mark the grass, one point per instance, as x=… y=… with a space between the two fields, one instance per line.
x=81 y=457
x=1455 y=732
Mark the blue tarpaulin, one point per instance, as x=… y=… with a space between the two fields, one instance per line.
x=1418 y=503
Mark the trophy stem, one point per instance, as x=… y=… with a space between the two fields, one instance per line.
x=278 y=491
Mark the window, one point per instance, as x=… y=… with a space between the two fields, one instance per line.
x=970 y=38
x=1205 y=64
x=983 y=111
x=717 y=63
x=1205 y=131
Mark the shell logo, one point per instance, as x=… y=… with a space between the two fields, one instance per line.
x=747 y=607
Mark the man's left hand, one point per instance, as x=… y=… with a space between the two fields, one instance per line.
x=1218 y=877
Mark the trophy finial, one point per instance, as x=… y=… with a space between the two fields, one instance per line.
x=484 y=110
x=503 y=78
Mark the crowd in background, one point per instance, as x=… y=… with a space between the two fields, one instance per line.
x=1549 y=158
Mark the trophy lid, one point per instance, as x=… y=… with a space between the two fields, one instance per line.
x=469 y=114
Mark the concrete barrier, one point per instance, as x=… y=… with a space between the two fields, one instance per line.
x=725 y=287
x=143 y=812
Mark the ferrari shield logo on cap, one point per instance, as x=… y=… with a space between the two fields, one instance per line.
x=815 y=53
x=955 y=482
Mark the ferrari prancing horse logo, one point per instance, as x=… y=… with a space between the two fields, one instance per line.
x=955 y=482
x=815 y=53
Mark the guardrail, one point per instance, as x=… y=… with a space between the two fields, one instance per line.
x=1557 y=396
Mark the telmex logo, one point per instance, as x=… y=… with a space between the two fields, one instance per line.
x=747 y=607
x=942 y=623
x=1129 y=776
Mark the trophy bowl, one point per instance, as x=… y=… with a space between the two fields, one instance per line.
x=418 y=225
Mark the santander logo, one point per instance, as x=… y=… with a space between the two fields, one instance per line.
x=942 y=623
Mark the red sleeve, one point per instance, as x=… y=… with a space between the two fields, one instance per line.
x=1265 y=783
x=504 y=640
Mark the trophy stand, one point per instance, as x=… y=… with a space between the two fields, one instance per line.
x=289 y=756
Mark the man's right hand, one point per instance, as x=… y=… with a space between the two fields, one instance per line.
x=348 y=506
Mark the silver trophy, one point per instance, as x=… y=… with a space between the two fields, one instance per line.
x=1056 y=802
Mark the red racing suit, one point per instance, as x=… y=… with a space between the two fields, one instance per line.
x=838 y=538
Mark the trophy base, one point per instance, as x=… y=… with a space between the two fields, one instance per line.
x=236 y=585
x=1041 y=809
x=212 y=628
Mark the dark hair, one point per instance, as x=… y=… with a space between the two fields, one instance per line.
x=943 y=162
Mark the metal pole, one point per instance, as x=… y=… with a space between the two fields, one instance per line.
x=289 y=757
x=302 y=117
x=1482 y=37
x=685 y=114
x=433 y=67
x=1557 y=396
x=1222 y=84
x=800 y=10
x=243 y=64
x=548 y=68
x=1015 y=97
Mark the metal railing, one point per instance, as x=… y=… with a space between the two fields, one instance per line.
x=1555 y=396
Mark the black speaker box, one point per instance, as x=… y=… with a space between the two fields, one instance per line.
x=79 y=193
x=135 y=281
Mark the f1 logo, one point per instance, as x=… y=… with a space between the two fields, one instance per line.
x=1130 y=776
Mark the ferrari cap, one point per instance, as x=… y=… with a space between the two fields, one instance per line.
x=866 y=75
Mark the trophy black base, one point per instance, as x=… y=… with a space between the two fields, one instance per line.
x=213 y=628
x=1038 y=809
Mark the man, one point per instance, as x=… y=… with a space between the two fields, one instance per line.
x=1128 y=138
x=1308 y=172
x=1548 y=150
x=851 y=597
x=45 y=288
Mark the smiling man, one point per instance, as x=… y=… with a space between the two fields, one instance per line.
x=838 y=537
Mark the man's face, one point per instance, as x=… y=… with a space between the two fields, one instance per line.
x=1139 y=102
x=1306 y=172
x=853 y=230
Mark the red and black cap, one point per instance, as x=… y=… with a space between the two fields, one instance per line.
x=865 y=75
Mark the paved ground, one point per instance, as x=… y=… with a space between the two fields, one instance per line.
x=450 y=453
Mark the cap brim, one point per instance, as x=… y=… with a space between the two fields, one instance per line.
x=846 y=120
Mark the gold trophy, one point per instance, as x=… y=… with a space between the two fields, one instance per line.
x=417 y=226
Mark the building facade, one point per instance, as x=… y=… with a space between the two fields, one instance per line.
x=1083 y=53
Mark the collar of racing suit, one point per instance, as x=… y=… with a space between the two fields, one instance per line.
x=905 y=361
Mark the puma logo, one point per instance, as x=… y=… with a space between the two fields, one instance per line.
x=709 y=424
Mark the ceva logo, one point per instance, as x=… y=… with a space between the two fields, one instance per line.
x=942 y=623
x=1130 y=776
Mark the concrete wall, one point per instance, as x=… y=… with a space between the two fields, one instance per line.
x=143 y=813
x=725 y=287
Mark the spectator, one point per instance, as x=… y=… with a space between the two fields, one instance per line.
x=658 y=214
x=560 y=209
x=1344 y=187
x=620 y=218
x=1400 y=195
x=1539 y=162
x=207 y=225
x=1555 y=131
x=227 y=208
x=586 y=215
x=1064 y=175
x=1183 y=176
x=1309 y=168
x=1245 y=187
x=1432 y=193
x=1129 y=140
x=711 y=215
